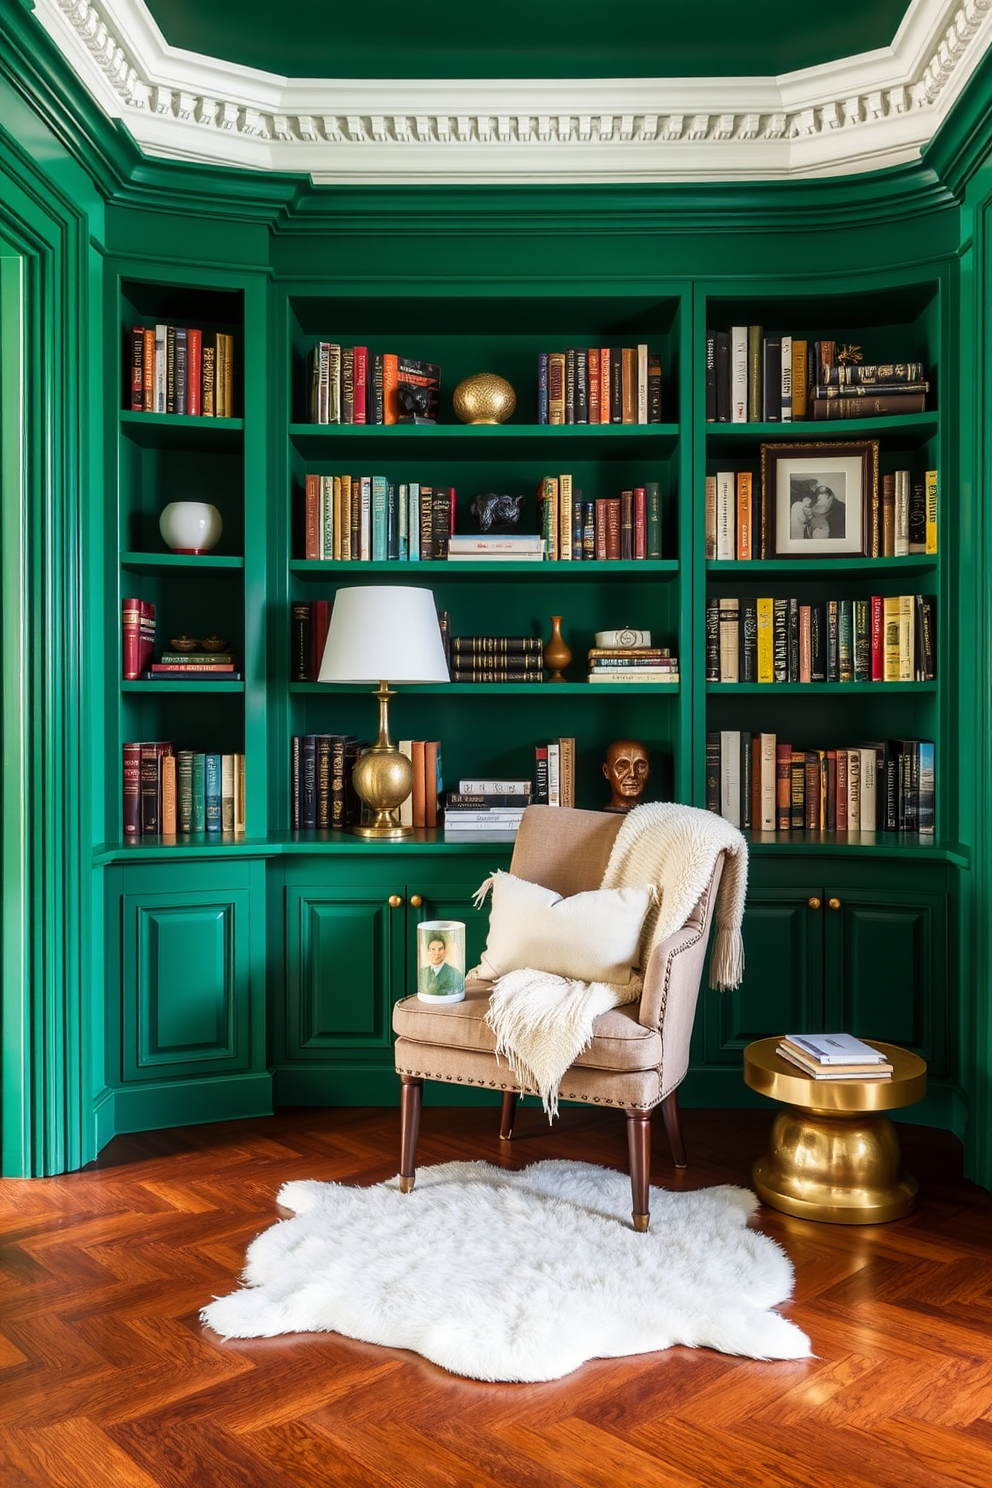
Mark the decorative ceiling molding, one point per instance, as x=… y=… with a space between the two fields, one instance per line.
x=859 y=114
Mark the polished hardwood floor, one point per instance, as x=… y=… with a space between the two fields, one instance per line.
x=107 y=1377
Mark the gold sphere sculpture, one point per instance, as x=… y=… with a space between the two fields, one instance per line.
x=484 y=399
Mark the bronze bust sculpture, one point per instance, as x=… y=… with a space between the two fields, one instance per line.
x=626 y=767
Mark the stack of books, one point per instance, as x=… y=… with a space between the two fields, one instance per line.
x=486 y=805
x=202 y=666
x=632 y=664
x=834 y=1056
x=509 y=547
x=497 y=658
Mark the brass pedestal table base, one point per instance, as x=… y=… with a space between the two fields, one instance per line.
x=833 y=1156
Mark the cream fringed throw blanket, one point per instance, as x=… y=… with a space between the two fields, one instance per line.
x=543 y=1023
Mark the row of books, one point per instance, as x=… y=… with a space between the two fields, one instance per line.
x=496 y=658
x=351 y=385
x=422 y=807
x=178 y=369
x=369 y=518
x=901 y=517
x=885 y=638
x=169 y=792
x=632 y=664
x=321 y=792
x=834 y=1056
x=754 y=378
x=625 y=527
x=758 y=781
x=602 y=385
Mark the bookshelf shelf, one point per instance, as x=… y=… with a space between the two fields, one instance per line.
x=410 y=573
x=179 y=431
x=178 y=685
x=153 y=562
x=537 y=690
x=773 y=689
x=883 y=568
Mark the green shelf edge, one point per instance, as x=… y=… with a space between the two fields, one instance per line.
x=476 y=689
x=826 y=429
x=179 y=684
x=594 y=568
x=802 y=568
x=147 y=561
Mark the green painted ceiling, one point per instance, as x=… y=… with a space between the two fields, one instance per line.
x=521 y=38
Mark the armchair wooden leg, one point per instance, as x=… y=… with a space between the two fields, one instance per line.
x=673 y=1126
x=411 y=1099
x=639 y=1148
x=506 y=1115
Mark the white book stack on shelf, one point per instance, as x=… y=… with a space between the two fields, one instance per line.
x=834 y=1056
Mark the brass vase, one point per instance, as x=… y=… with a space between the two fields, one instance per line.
x=484 y=398
x=556 y=653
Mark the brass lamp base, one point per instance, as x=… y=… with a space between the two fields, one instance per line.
x=383 y=778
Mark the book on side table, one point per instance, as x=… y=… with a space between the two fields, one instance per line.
x=834 y=1056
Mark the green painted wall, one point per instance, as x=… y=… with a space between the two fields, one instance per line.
x=76 y=195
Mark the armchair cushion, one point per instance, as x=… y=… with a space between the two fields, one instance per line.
x=593 y=936
x=456 y=1029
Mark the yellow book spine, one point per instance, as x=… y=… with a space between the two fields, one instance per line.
x=744 y=545
x=565 y=517
x=907 y=648
x=891 y=613
x=798 y=379
x=766 y=640
x=931 y=497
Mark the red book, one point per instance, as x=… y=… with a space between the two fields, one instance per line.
x=318 y=632
x=417 y=750
x=640 y=521
x=390 y=387
x=131 y=639
x=432 y=783
x=600 y=518
x=137 y=402
x=312 y=523
x=146 y=635
x=613 y=527
x=194 y=372
x=783 y=787
x=877 y=639
x=604 y=385
x=595 y=384
x=132 y=790
x=361 y=375
x=148 y=370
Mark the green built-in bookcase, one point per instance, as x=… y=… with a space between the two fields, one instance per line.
x=853 y=930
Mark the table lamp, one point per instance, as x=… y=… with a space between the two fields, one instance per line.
x=374 y=634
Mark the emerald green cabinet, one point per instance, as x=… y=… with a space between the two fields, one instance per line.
x=839 y=946
x=187 y=1030
x=349 y=928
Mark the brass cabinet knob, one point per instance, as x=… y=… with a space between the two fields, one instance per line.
x=416 y=901
x=814 y=903
x=833 y=904
x=394 y=901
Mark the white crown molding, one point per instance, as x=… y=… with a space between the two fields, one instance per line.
x=858 y=114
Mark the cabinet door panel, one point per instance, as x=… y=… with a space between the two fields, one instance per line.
x=339 y=951
x=883 y=964
x=186 y=983
x=782 y=984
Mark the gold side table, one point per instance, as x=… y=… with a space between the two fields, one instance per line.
x=833 y=1156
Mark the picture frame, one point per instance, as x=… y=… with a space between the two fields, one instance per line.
x=819 y=499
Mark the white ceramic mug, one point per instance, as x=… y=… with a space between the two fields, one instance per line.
x=441 y=961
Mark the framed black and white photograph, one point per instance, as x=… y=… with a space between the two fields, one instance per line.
x=817 y=499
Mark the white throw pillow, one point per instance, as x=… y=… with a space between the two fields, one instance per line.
x=593 y=936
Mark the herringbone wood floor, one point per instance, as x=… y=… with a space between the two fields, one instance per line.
x=108 y=1379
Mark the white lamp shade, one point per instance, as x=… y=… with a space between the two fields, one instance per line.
x=383 y=634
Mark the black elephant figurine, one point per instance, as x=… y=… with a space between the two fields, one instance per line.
x=497 y=513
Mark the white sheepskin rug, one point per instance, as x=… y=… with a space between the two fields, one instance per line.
x=501 y=1275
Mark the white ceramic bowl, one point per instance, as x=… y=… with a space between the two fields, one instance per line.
x=191 y=526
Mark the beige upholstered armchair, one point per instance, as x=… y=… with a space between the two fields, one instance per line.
x=639 y=1053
